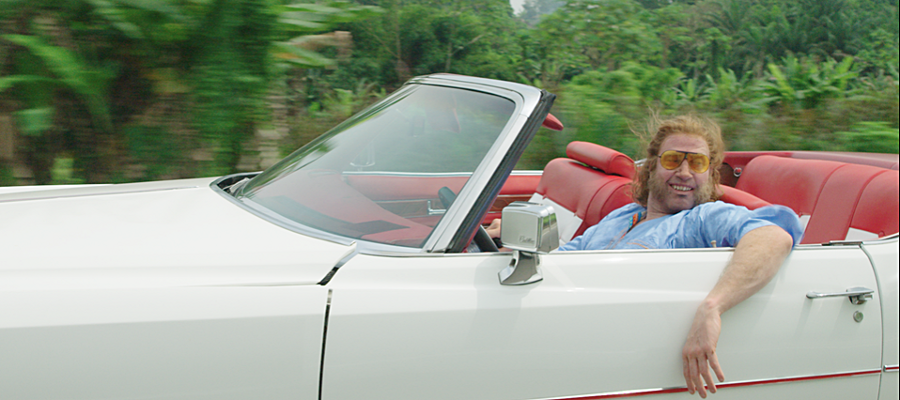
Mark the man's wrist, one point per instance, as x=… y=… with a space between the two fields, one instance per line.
x=711 y=306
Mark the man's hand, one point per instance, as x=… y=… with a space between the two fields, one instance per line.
x=699 y=353
x=756 y=260
x=493 y=230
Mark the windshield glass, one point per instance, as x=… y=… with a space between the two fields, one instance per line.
x=376 y=177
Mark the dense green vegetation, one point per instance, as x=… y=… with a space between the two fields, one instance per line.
x=119 y=90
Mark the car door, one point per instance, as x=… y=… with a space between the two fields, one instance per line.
x=601 y=324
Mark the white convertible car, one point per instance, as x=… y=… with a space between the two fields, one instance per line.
x=348 y=271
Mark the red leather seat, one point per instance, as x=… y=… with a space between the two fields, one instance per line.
x=876 y=210
x=835 y=195
x=588 y=185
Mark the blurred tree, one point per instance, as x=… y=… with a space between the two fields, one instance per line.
x=597 y=34
x=169 y=88
x=533 y=10
x=142 y=89
x=415 y=37
x=63 y=63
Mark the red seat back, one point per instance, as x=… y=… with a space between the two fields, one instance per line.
x=589 y=184
x=835 y=195
x=786 y=181
x=876 y=210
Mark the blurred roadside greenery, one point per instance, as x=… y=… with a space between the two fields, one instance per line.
x=125 y=90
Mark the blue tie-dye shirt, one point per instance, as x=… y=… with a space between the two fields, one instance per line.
x=715 y=224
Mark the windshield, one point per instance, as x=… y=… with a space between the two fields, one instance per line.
x=376 y=177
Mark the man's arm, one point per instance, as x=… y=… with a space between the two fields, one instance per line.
x=756 y=259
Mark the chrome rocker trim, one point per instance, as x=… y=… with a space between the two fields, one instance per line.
x=647 y=392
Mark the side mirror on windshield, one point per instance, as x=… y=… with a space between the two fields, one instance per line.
x=529 y=229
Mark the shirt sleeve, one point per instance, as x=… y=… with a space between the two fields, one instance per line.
x=727 y=223
x=575 y=244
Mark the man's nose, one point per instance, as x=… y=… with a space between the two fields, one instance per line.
x=684 y=168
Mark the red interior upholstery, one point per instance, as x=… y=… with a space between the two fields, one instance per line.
x=589 y=191
x=571 y=184
x=876 y=210
x=397 y=187
x=739 y=159
x=836 y=195
x=783 y=181
x=741 y=198
x=837 y=202
x=520 y=184
x=345 y=204
x=616 y=193
x=603 y=158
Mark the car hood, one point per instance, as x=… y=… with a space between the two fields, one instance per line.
x=159 y=233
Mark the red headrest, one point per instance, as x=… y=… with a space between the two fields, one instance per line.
x=603 y=158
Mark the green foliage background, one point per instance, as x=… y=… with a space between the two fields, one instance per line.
x=124 y=90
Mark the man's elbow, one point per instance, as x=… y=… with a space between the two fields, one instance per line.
x=778 y=240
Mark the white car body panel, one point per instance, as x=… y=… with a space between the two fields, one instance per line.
x=599 y=323
x=223 y=343
x=166 y=290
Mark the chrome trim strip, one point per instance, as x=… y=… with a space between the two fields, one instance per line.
x=347 y=256
x=68 y=196
x=891 y=368
x=679 y=389
x=527 y=172
x=324 y=337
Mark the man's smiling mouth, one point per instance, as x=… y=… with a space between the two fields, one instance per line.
x=681 y=188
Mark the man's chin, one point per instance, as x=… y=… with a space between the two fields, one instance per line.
x=704 y=194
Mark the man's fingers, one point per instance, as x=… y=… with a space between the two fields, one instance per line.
x=695 y=377
x=704 y=372
x=692 y=375
x=714 y=364
x=687 y=376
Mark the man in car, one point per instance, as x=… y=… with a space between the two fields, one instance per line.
x=674 y=192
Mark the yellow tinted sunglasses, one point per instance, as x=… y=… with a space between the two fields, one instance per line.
x=672 y=159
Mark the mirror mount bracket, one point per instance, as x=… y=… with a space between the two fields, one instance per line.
x=524 y=268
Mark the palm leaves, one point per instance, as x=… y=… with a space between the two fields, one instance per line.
x=807 y=85
x=67 y=70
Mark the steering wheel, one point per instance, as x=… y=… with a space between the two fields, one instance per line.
x=482 y=239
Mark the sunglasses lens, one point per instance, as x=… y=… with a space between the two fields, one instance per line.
x=698 y=162
x=671 y=159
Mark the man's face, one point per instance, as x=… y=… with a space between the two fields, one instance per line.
x=681 y=188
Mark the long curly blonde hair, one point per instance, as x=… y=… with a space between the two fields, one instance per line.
x=657 y=132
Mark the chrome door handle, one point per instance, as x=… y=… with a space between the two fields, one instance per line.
x=857 y=295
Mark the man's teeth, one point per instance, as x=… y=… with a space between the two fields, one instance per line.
x=681 y=188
